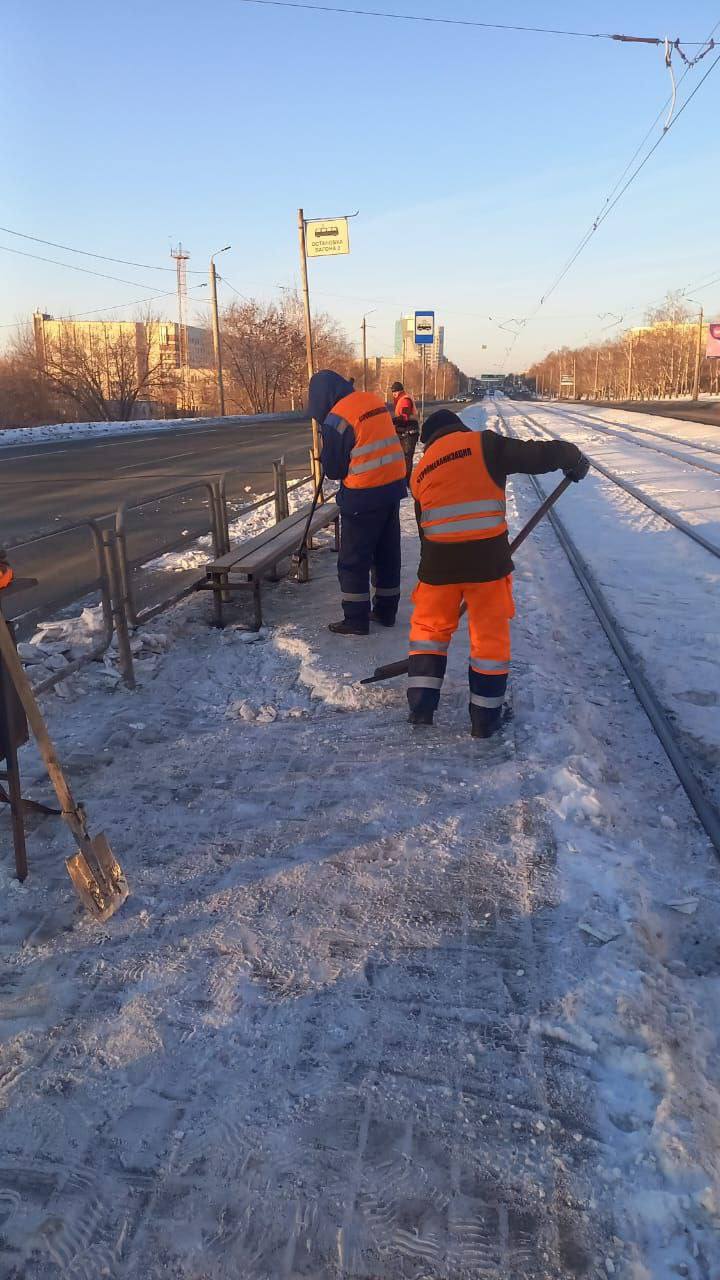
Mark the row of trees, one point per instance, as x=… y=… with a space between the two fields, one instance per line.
x=654 y=361
x=107 y=371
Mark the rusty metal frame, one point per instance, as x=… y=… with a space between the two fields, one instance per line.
x=126 y=566
x=102 y=583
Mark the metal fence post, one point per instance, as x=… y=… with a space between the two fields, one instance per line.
x=118 y=607
x=282 y=506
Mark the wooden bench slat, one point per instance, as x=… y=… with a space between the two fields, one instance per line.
x=275 y=543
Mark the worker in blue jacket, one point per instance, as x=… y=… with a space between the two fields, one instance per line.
x=360 y=448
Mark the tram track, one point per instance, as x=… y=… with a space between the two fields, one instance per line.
x=646 y=431
x=657 y=507
x=626 y=434
x=705 y=810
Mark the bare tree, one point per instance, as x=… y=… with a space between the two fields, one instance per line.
x=663 y=356
x=25 y=398
x=265 y=357
x=104 y=367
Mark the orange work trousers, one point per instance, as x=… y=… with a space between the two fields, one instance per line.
x=435 y=617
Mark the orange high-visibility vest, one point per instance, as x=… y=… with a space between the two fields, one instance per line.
x=459 y=499
x=404 y=406
x=377 y=457
x=6 y=575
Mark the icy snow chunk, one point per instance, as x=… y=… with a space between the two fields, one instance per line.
x=241 y=710
x=267 y=714
x=158 y=641
x=687 y=906
x=600 y=932
x=577 y=799
x=573 y=1036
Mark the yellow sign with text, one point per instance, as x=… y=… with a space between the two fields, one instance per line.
x=325 y=239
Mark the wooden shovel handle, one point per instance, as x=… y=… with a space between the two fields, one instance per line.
x=13 y=665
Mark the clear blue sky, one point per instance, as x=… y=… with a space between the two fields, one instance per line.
x=476 y=158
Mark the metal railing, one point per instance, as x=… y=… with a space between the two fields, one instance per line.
x=105 y=553
x=128 y=566
x=116 y=569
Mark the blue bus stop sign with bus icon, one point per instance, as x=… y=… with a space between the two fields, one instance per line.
x=424 y=328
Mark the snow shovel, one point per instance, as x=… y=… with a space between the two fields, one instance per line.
x=393 y=669
x=94 y=870
x=299 y=560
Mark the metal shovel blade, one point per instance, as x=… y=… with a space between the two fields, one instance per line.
x=98 y=878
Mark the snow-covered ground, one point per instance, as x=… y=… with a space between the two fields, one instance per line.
x=662 y=587
x=383 y=1002
x=62 y=432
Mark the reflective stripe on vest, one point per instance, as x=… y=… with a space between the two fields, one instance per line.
x=458 y=497
x=377 y=457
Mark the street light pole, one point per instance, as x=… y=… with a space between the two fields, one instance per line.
x=628 y=395
x=310 y=353
x=216 y=331
x=698 y=351
x=363 y=326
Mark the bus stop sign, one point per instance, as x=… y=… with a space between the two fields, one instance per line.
x=424 y=328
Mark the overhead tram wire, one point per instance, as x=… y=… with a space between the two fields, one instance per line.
x=610 y=203
x=104 y=257
x=437 y=20
x=615 y=194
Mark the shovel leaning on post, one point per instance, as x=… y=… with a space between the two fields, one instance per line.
x=300 y=558
x=393 y=669
x=95 y=872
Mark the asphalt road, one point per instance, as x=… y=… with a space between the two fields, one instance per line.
x=46 y=488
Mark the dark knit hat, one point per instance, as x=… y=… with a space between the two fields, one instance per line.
x=397 y=386
x=437 y=421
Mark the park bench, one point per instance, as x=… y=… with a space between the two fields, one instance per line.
x=244 y=567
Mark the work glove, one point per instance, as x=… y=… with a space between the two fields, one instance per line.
x=579 y=470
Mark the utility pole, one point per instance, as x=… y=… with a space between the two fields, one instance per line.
x=630 y=369
x=444 y=378
x=308 y=338
x=216 y=331
x=574 y=379
x=364 y=352
x=595 y=382
x=698 y=357
x=181 y=258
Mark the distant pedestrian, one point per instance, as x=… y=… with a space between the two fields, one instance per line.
x=406 y=423
x=360 y=448
x=459 y=492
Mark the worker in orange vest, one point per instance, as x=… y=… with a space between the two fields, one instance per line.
x=406 y=423
x=459 y=492
x=360 y=448
x=6 y=573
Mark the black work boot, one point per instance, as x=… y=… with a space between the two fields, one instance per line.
x=421 y=717
x=348 y=627
x=384 y=621
x=484 y=721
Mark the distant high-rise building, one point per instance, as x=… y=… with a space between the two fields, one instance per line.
x=405 y=342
